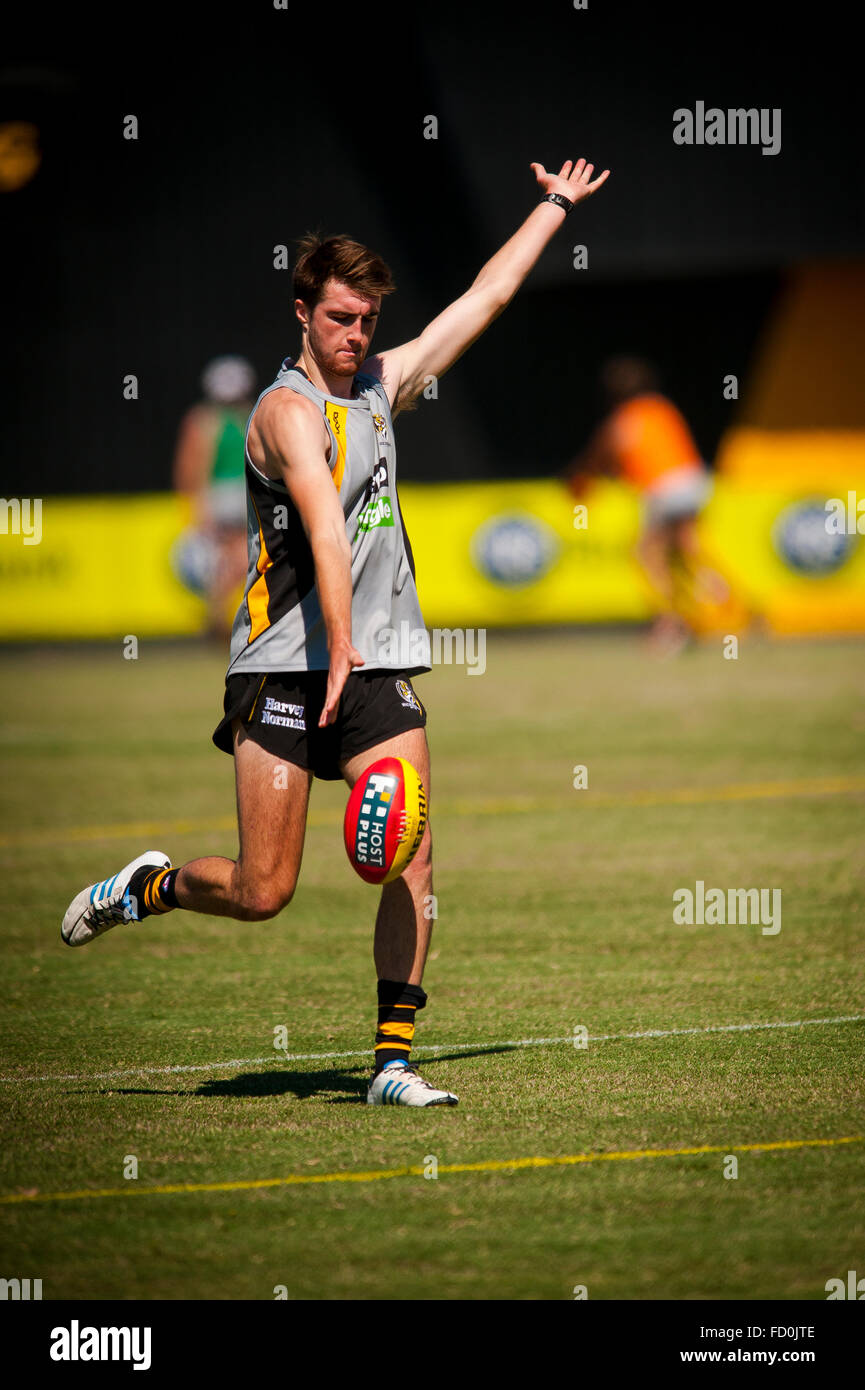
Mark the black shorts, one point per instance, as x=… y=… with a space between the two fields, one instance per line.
x=280 y=711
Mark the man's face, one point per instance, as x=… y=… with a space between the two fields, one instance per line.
x=339 y=329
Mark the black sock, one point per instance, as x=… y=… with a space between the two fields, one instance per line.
x=397 y=1005
x=154 y=890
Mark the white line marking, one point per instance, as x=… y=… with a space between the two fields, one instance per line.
x=429 y=1047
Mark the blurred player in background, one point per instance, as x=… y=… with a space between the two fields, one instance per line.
x=210 y=469
x=645 y=440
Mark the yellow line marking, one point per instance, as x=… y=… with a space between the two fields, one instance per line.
x=670 y=796
x=674 y=796
x=490 y=1165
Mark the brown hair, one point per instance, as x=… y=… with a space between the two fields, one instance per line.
x=338 y=258
x=624 y=377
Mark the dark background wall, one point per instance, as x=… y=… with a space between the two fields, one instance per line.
x=256 y=124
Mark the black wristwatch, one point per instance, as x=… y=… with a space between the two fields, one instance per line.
x=560 y=200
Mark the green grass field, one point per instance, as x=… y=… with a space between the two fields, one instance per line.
x=555 y=912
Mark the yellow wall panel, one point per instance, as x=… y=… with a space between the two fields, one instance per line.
x=486 y=554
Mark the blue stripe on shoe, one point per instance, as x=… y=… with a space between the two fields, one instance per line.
x=388 y=1095
x=103 y=889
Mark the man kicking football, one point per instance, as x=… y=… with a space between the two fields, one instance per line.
x=308 y=693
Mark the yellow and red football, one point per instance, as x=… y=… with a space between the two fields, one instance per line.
x=385 y=820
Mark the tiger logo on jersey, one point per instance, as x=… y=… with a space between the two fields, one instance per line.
x=380 y=427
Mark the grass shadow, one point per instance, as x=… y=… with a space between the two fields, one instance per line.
x=348 y=1084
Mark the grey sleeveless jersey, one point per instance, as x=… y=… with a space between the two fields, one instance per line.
x=279 y=625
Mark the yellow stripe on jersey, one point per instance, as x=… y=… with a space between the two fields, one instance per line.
x=258 y=597
x=336 y=414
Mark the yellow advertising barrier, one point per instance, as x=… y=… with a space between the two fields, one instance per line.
x=486 y=554
x=515 y=553
x=519 y=553
x=101 y=568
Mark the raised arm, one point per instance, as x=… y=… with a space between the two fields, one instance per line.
x=403 y=370
x=290 y=429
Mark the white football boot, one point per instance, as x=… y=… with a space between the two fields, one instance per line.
x=399 y=1084
x=101 y=906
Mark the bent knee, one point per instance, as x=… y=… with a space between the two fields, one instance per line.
x=261 y=902
x=421 y=863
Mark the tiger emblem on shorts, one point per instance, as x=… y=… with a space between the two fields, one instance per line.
x=408 y=697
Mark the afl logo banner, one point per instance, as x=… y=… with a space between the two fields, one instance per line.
x=802 y=540
x=514 y=550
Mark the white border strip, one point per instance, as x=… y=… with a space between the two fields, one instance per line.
x=277 y=1056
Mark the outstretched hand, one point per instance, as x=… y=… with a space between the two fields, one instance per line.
x=573 y=183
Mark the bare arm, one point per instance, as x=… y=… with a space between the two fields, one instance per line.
x=598 y=456
x=404 y=370
x=193 y=456
x=290 y=430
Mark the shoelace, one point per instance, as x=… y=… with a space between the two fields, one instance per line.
x=421 y=1079
x=102 y=913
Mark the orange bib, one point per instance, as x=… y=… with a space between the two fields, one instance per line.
x=650 y=437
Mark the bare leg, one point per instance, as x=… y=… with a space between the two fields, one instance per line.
x=403 y=927
x=272 y=801
x=653 y=553
x=656 y=555
x=707 y=582
x=228 y=579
